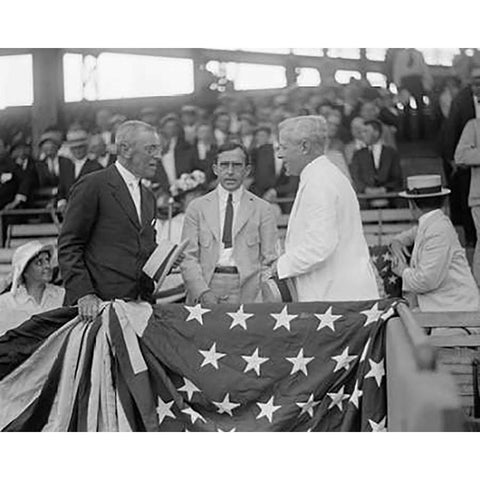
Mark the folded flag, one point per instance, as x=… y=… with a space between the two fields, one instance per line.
x=255 y=367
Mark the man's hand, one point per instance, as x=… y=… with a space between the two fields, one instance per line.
x=399 y=251
x=62 y=205
x=398 y=266
x=208 y=299
x=88 y=307
x=270 y=195
x=177 y=262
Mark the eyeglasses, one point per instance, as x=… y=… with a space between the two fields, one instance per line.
x=152 y=149
x=236 y=166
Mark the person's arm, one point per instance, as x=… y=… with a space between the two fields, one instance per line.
x=268 y=240
x=432 y=266
x=80 y=217
x=190 y=266
x=407 y=237
x=468 y=150
x=320 y=237
x=356 y=171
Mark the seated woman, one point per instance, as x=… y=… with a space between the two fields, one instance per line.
x=438 y=273
x=171 y=214
x=31 y=291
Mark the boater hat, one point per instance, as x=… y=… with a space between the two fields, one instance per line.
x=160 y=262
x=77 y=138
x=424 y=186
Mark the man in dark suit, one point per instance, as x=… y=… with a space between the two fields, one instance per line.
x=108 y=232
x=269 y=178
x=47 y=165
x=205 y=152
x=376 y=168
x=465 y=106
x=79 y=165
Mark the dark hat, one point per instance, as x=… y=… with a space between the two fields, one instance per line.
x=49 y=136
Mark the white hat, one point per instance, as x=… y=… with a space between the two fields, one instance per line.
x=23 y=255
x=424 y=186
x=77 y=138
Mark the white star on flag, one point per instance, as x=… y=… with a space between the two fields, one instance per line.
x=239 y=318
x=164 y=410
x=372 y=315
x=226 y=406
x=226 y=431
x=196 y=313
x=194 y=416
x=380 y=426
x=189 y=388
x=364 y=352
x=211 y=356
x=377 y=371
x=374 y=258
x=386 y=256
x=308 y=406
x=299 y=362
x=392 y=279
x=327 y=319
x=356 y=394
x=283 y=319
x=338 y=398
x=254 y=362
x=267 y=409
x=343 y=360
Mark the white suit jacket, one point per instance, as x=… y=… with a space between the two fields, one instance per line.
x=325 y=250
x=439 y=273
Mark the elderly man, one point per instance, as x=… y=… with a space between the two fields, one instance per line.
x=325 y=250
x=97 y=150
x=232 y=236
x=108 y=231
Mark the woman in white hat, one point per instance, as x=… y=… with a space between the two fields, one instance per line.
x=31 y=291
x=438 y=273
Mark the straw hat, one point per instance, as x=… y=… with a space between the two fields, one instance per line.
x=50 y=137
x=424 y=186
x=22 y=257
x=77 y=138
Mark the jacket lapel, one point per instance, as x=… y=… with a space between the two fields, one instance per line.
x=121 y=194
x=243 y=213
x=147 y=214
x=212 y=212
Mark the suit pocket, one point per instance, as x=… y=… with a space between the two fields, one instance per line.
x=205 y=238
x=253 y=239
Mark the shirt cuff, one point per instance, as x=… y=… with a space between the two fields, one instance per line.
x=20 y=198
x=282 y=268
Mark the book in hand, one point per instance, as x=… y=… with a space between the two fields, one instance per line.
x=160 y=262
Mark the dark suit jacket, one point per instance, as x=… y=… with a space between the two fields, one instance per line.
x=265 y=177
x=45 y=177
x=364 y=173
x=9 y=181
x=206 y=164
x=67 y=175
x=102 y=246
x=184 y=157
x=28 y=178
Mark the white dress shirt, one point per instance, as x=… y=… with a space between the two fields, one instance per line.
x=278 y=165
x=133 y=185
x=202 y=149
x=78 y=164
x=168 y=161
x=52 y=163
x=376 y=150
x=225 y=258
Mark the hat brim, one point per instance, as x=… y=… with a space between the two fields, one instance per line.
x=442 y=193
x=78 y=143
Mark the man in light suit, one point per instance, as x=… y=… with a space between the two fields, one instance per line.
x=232 y=236
x=325 y=251
x=108 y=232
x=438 y=273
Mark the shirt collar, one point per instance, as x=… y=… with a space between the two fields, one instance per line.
x=127 y=175
x=81 y=160
x=23 y=297
x=426 y=216
x=315 y=161
x=223 y=194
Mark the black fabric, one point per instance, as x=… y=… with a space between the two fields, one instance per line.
x=228 y=223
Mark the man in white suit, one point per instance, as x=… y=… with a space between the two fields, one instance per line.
x=232 y=236
x=325 y=251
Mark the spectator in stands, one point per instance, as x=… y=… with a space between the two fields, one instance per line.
x=376 y=168
x=205 y=151
x=149 y=115
x=47 y=166
x=468 y=153
x=103 y=126
x=334 y=122
x=356 y=128
x=97 y=150
x=108 y=231
x=324 y=242
x=247 y=131
x=465 y=106
x=31 y=291
x=77 y=167
x=370 y=111
x=178 y=156
x=411 y=73
x=189 y=119
x=437 y=273
x=232 y=236
x=221 y=127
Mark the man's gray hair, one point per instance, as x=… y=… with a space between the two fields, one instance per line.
x=311 y=127
x=128 y=131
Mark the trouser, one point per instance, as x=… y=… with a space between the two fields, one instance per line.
x=226 y=287
x=476 y=256
x=459 y=210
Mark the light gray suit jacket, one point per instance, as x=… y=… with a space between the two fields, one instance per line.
x=439 y=273
x=254 y=244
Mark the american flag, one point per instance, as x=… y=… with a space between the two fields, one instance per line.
x=232 y=368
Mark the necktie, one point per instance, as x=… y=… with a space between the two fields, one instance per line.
x=227 y=225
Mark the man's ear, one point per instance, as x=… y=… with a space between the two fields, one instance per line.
x=215 y=169
x=125 y=150
x=305 y=146
x=248 y=169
